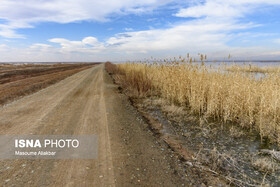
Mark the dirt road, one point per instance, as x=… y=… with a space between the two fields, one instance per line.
x=86 y=103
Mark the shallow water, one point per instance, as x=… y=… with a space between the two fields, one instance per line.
x=256 y=63
x=216 y=65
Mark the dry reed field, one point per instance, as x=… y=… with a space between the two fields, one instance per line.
x=226 y=96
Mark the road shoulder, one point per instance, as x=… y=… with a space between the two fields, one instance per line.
x=139 y=158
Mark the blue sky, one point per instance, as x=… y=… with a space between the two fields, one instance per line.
x=121 y=30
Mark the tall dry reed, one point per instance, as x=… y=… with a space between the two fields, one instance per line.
x=227 y=96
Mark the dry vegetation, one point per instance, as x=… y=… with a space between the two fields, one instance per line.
x=20 y=80
x=226 y=96
x=265 y=164
x=253 y=69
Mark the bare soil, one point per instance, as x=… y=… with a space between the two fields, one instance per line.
x=21 y=80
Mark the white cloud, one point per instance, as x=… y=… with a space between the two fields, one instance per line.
x=192 y=36
x=40 y=46
x=87 y=45
x=91 y=41
x=23 y=14
x=211 y=9
x=157 y=43
x=128 y=29
x=224 y=8
x=3 y=47
x=200 y=35
x=277 y=40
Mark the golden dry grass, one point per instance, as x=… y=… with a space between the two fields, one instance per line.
x=226 y=96
x=265 y=164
